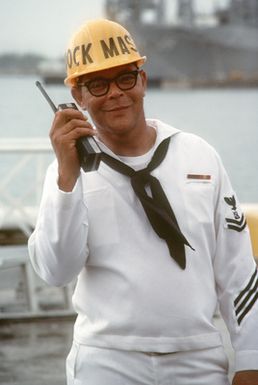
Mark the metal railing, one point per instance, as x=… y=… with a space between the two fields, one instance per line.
x=23 y=164
x=22 y=169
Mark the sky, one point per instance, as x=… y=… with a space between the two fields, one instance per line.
x=45 y=26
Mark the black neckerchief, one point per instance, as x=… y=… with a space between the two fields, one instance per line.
x=157 y=206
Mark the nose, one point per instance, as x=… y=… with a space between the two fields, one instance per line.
x=114 y=90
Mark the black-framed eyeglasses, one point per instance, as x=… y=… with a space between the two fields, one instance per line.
x=100 y=86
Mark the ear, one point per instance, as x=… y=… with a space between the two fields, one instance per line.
x=77 y=95
x=144 y=80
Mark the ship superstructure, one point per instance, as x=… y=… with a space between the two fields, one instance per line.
x=189 y=51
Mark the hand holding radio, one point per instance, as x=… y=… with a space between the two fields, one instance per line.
x=68 y=126
x=72 y=139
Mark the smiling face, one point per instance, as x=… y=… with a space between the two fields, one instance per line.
x=119 y=114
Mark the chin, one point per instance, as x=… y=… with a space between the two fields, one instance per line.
x=120 y=126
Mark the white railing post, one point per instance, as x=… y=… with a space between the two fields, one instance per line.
x=32 y=156
x=22 y=175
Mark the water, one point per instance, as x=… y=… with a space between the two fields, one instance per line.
x=226 y=118
x=33 y=353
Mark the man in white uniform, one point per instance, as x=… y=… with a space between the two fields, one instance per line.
x=154 y=235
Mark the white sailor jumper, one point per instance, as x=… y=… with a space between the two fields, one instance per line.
x=130 y=294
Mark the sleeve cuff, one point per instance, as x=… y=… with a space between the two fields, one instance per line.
x=65 y=200
x=246 y=360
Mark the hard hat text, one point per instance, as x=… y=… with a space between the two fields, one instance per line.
x=112 y=47
x=79 y=52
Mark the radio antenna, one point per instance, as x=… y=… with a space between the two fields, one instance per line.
x=50 y=102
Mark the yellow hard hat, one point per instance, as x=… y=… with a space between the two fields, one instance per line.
x=98 y=45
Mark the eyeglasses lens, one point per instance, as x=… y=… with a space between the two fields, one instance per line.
x=100 y=87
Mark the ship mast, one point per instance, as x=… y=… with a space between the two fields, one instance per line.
x=185 y=12
x=135 y=11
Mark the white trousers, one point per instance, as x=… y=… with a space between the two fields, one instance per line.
x=87 y=365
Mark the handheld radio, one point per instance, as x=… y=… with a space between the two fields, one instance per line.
x=88 y=150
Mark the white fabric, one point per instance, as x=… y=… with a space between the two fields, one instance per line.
x=87 y=365
x=130 y=293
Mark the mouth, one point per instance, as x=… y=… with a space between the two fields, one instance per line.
x=117 y=108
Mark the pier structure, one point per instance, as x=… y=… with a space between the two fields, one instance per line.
x=22 y=294
x=24 y=163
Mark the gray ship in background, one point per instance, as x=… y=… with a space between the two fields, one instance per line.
x=192 y=50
